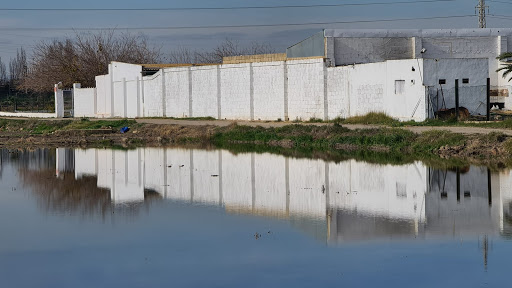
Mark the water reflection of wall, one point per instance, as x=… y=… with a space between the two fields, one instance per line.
x=352 y=200
x=262 y=183
x=463 y=201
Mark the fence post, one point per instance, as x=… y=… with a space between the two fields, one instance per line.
x=457 y=99
x=59 y=102
x=488 y=99
x=75 y=86
x=125 y=100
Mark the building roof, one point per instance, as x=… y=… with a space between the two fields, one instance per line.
x=425 y=33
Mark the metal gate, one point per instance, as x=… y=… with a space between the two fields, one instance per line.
x=68 y=96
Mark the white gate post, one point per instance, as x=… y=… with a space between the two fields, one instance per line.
x=59 y=102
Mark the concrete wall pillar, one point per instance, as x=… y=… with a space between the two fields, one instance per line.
x=285 y=73
x=138 y=114
x=125 y=100
x=76 y=86
x=59 y=102
x=164 y=102
x=219 y=94
x=142 y=96
x=251 y=91
x=112 y=103
x=190 y=112
x=326 y=100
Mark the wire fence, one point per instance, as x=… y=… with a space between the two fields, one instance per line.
x=19 y=101
x=473 y=98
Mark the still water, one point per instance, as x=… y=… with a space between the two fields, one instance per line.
x=156 y=217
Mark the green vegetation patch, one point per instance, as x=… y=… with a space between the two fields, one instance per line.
x=376 y=118
x=86 y=124
x=431 y=140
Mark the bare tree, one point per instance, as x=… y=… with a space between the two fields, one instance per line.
x=85 y=56
x=3 y=73
x=18 y=68
x=227 y=48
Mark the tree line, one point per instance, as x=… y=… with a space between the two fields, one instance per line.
x=81 y=57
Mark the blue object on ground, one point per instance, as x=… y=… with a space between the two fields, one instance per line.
x=125 y=129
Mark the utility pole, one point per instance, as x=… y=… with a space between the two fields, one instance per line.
x=481 y=13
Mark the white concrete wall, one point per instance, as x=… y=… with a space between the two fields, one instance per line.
x=338 y=92
x=119 y=98
x=152 y=91
x=360 y=89
x=204 y=92
x=306 y=89
x=177 y=93
x=268 y=89
x=411 y=104
x=126 y=71
x=84 y=102
x=132 y=98
x=103 y=96
x=236 y=91
x=295 y=89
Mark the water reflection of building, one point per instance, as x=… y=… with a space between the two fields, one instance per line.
x=337 y=202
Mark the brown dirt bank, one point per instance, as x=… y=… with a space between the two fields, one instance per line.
x=485 y=148
x=144 y=135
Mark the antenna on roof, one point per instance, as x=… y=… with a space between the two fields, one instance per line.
x=481 y=13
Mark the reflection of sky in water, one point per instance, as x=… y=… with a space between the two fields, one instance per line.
x=105 y=219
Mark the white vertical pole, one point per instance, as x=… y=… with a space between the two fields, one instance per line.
x=125 y=99
x=59 y=102
x=138 y=97
x=164 y=104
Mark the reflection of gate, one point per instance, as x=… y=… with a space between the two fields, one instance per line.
x=68 y=102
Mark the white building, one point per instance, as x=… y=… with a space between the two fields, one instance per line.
x=355 y=46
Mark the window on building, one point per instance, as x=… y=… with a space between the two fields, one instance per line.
x=442 y=81
x=465 y=80
x=399 y=87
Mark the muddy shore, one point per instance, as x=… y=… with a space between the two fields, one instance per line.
x=387 y=145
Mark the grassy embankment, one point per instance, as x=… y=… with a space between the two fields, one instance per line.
x=384 y=120
x=387 y=144
x=40 y=127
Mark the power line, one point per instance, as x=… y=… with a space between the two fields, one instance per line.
x=227 y=8
x=227 y=26
x=502 y=2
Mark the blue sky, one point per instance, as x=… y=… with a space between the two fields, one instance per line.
x=279 y=37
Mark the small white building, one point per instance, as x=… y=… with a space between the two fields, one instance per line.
x=357 y=46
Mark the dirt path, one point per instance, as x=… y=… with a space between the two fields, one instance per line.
x=415 y=129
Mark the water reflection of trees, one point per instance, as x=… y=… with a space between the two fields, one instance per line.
x=65 y=194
